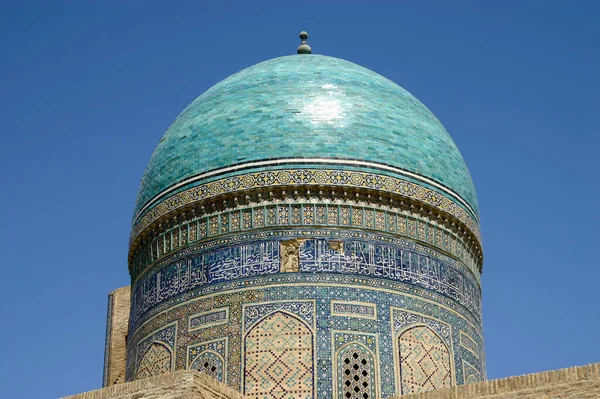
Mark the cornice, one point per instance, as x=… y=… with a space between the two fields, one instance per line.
x=383 y=190
x=277 y=208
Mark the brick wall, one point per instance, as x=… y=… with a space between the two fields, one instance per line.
x=185 y=384
x=575 y=382
x=116 y=330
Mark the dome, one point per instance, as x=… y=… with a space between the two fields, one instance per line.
x=306 y=109
x=307 y=197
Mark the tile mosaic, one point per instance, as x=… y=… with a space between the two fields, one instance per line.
x=430 y=233
x=309 y=299
x=262 y=108
x=344 y=263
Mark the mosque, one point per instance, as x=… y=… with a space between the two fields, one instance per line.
x=306 y=228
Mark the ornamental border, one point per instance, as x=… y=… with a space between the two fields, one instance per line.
x=319 y=161
x=108 y=339
x=285 y=280
x=310 y=233
x=276 y=215
x=475 y=351
x=148 y=293
x=310 y=177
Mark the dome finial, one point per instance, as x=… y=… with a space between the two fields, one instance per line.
x=304 y=48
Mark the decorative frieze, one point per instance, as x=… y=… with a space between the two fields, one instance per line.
x=318 y=178
x=362 y=216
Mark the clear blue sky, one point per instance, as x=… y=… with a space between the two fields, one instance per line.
x=87 y=90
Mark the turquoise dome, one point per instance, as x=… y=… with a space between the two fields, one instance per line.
x=305 y=106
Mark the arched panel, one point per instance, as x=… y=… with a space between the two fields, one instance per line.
x=279 y=359
x=211 y=364
x=424 y=361
x=156 y=360
x=356 y=373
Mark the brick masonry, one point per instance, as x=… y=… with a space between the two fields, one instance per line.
x=178 y=385
x=115 y=356
x=576 y=382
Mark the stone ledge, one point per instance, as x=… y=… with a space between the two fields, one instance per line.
x=184 y=384
x=575 y=382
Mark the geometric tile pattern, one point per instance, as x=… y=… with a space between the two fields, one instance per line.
x=356 y=373
x=209 y=357
x=424 y=361
x=402 y=319
x=318 y=177
x=166 y=335
x=209 y=363
x=156 y=347
x=345 y=338
x=157 y=360
x=344 y=273
x=224 y=339
x=399 y=306
x=279 y=359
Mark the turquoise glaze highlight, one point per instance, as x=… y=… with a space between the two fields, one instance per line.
x=305 y=106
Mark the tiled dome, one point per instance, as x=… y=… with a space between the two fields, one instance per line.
x=305 y=106
x=307 y=228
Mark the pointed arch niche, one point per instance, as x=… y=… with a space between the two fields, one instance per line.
x=278 y=358
x=157 y=360
x=356 y=372
x=425 y=360
x=210 y=363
